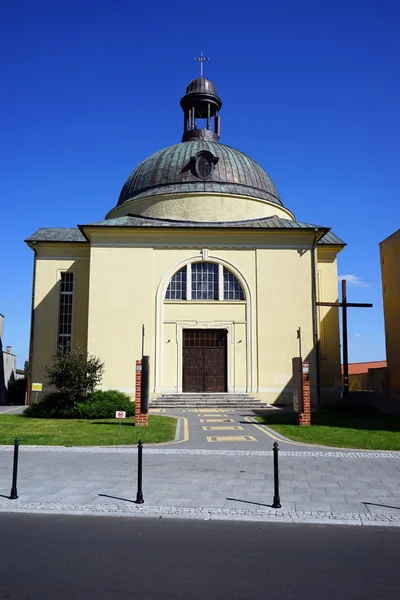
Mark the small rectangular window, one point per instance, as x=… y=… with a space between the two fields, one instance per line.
x=65 y=310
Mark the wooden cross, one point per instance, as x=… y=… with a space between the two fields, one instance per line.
x=201 y=59
x=344 y=305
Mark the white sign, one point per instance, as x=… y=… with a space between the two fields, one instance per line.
x=37 y=387
x=120 y=414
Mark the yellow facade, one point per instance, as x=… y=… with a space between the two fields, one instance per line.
x=50 y=261
x=121 y=280
x=201 y=207
x=390 y=266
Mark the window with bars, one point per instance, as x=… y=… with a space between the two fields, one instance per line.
x=207 y=281
x=65 y=312
x=232 y=288
x=177 y=286
x=204 y=281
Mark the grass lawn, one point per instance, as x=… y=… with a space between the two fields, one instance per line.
x=362 y=428
x=101 y=432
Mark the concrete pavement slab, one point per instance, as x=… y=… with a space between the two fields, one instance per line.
x=175 y=480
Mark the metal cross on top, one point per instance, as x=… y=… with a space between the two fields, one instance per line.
x=202 y=60
x=344 y=305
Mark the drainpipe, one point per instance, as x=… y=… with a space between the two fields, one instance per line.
x=30 y=356
x=315 y=315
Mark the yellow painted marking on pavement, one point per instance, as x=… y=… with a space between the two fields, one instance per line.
x=291 y=442
x=274 y=437
x=231 y=438
x=216 y=421
x=222 y=428
x=157 y=410
x=207 y=410
x=185 y=433
x=210 y=415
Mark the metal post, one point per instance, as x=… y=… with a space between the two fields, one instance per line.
x=277 y=501
x=145 y=385
x=14 y=495
x=142 y=340
x=139 y=495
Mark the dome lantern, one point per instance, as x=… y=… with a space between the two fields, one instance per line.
x=201 y=103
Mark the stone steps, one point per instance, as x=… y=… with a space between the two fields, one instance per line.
x=236 y=401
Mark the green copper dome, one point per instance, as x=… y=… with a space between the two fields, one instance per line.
x=199 y=166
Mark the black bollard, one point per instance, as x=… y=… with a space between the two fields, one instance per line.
x=14 y=495
x=139 y=495
x=277 y=501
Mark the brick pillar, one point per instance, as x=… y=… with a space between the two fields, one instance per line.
x=141 y=419
x=304 y=418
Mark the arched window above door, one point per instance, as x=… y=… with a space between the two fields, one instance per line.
x=204 y=281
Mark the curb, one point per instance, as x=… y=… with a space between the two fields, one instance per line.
x=204 y=514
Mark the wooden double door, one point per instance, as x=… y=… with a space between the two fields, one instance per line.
x=204 y=360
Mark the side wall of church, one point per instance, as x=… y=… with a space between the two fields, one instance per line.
x=284 y=284
x=327 y=291
x=52 y=260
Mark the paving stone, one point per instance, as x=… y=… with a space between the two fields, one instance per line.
x=317 y=485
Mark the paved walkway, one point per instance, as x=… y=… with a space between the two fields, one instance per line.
x=215 y=473
x=229 y=430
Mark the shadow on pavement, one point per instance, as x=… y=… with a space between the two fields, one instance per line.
x=248 y=502
x=116 y=498
x=380 y=505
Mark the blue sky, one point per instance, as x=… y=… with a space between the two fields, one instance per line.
x=310 y=90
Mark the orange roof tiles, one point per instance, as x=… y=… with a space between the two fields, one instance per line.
x=362 y=367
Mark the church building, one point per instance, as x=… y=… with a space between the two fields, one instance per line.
x=202 y=252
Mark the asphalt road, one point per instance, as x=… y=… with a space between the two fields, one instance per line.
x=63 y=557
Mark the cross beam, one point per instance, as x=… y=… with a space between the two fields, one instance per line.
x=344 y=305
x=202 y=60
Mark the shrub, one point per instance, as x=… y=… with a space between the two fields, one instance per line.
x=75 y=374
x=52 y=406
x=98 y=405
x=103 y=405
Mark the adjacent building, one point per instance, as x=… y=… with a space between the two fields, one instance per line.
x=390 y=267
x=201 y=250
x=8 y=365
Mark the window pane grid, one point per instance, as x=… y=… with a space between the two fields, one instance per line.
x=177 y=286
x=232 y=288
x=65 y=315
x=204 y=281
x=204 y=284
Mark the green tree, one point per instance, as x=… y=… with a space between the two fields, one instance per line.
x=75 y=373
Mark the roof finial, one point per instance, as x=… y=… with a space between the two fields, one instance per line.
x=201 y=59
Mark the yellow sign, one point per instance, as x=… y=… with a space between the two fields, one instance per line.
x=37 y=387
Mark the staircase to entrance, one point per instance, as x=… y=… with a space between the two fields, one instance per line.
x=213 y=400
